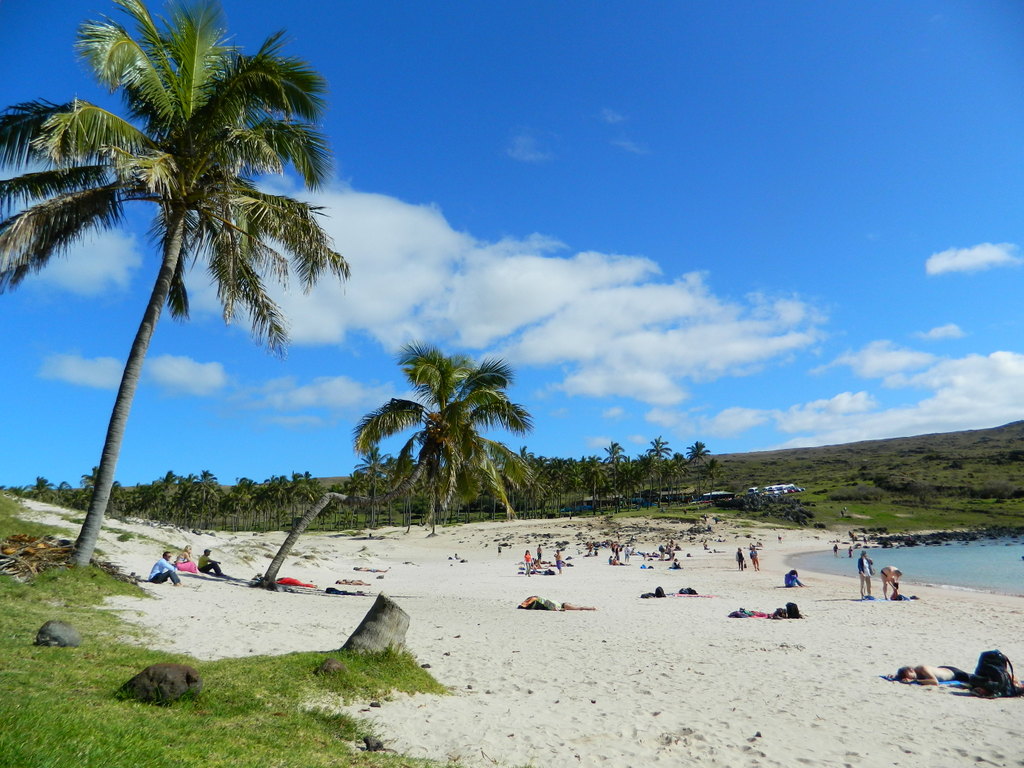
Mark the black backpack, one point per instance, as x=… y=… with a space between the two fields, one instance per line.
x=792 y=611
x=994 y=675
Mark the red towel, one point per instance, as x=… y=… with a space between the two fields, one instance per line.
x=288 y=581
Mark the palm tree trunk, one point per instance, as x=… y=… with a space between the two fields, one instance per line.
x=85 y=545
x=269 y=579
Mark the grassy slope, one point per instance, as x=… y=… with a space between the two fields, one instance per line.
x=60 y=707
x=951 y=480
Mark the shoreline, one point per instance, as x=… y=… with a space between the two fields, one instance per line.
x=654 y=682
x=792 y=560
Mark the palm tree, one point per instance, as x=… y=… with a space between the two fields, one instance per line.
x=455 y=398
x=615 y=454
x=697 y=455
x=204 y=121
x=372 y=468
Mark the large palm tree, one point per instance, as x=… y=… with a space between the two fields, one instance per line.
x=202 y=123
x=454 y=399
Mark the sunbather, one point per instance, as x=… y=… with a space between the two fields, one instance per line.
x=925 y=675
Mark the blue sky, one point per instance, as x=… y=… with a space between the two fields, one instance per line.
x=756 y=225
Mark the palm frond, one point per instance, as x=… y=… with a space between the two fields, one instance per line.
x=20 y=125
x=196 y=42
x=29 y=239
x=87 y=133
x=393 y=417
x=293 y=225
x=29 y=187
x=140 y=66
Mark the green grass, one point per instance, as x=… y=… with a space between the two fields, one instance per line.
x=60 y=706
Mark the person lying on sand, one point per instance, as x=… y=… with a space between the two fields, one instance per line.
x=925 y=675
x=535 y=603
x=353 y=582
x=371 y=570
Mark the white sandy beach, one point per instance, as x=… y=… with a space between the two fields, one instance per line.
x=636 y=683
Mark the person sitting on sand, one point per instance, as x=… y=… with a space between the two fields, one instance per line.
x=184 y=561
x=890 y=579
x=163 y=570
x=792 y=579
x=925 y=675
x=208 y=564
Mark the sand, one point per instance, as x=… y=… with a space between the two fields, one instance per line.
x=639 y=682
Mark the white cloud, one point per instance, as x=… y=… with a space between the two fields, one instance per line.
x=99 y=372
x=612 y=117
x=525 y=148
x=598 y=442
x=332 y=393
x=967 y=393
x=103 y=262
x=974 y=259
x=631 y=146
x=883 y=358
x=184 y=376
x=611 y=323
x=615 y=412
x=948 y=331
x=734 y=421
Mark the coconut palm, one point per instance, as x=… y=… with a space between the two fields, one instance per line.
x=202 y=122
x=454 y=399
x=697 y=455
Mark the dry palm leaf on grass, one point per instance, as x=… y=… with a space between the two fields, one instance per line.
x=23 y=556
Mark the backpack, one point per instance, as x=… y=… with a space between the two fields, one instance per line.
x=659 y=592
x=994 y=675
x=792 y=611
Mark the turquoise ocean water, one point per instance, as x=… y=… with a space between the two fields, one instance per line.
x=990 y=566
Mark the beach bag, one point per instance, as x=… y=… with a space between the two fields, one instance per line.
x=659 y=592
x=688 y=591
x=792 y=611
x=994 y=675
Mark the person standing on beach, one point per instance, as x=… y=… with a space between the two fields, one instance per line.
x=835 y=550
x=754 y=559
x=528 y=558
x=740 y=562
x=865 y=568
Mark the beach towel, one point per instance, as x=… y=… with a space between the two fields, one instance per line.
x=892 y=679
x=288 y=581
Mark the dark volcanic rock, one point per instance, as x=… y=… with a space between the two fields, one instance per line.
x=163 y=684
x=58 y=633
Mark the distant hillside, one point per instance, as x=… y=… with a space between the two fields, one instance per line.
x=954 y=479
x=950 y=459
